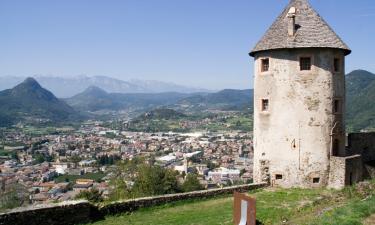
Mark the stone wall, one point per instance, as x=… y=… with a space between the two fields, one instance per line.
x=353 y=170
x=81 y=212
x=345 y=171
x=66 y=213
x=337 y=173
x=131 y=205
x=362 y=144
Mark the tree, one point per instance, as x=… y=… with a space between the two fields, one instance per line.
x=120 y=190
x=93 y=195
x=14 y=196
x=75 y=159
x=154 y=180
x=191 y=183
x=15 y=156
x=169 y=182
x=211 y=165
x=148 y=180
x=39 y=158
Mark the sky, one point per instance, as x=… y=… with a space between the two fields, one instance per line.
x=199 y=43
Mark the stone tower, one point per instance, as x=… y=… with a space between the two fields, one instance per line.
x=299 y=99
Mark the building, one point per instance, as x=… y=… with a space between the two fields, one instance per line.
x=299 y=99
x=222 y=175
x=83 y=185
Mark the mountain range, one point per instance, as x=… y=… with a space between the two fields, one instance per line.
x=95 y=99
x=29 y=100
x=66 y=87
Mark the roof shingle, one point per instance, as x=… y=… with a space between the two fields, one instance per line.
x=312 y=31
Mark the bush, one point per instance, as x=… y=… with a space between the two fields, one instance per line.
x=191 y=183
x=93 y=195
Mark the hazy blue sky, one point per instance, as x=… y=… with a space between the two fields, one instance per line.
x=202 y=43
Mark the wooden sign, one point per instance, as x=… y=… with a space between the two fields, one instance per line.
x=244 y=210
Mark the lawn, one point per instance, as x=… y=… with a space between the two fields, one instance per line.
x=274 y=206
x=72 y=178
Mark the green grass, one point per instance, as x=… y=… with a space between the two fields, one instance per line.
x=72 y=178
x=216 y=211
x=352 y=213
x=274 y=206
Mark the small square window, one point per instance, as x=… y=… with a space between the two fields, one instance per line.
x=265 y=104
x=305 y=63
x=336 y=65
x=316 y=180
x=265 y=65
x=337 y=106
x=279 y=177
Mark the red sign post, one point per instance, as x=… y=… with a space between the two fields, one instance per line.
x=244 y=210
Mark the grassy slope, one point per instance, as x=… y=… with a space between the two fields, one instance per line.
x=274 y=206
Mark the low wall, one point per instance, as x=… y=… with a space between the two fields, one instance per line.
x=345 y=171
x=134 y=204
x=81 y=212
x=67 y=213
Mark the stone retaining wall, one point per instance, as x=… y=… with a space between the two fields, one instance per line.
x=81 y=212
x=66 y=213
x=134 y=204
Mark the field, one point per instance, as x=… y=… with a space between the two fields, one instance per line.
x=353 y=205
x=72 y=178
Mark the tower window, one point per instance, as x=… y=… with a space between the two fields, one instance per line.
x=278 y=177
x=316 y=180
x=336 y=106
x=265 y=65
x=265 y=104
x=336 y=65
x=305 y=63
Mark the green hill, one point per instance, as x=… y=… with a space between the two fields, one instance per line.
x=157 y=120
x=160 y=114
x=95 y=99
x=360 y=104
x=228 y=99
x=29 y=101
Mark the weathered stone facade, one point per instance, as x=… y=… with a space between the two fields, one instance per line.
x=295 y=135
x=345 y=171
x=299 y=104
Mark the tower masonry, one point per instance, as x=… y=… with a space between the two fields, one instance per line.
x=299 y=101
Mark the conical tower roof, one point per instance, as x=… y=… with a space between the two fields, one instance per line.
x=311 y=31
